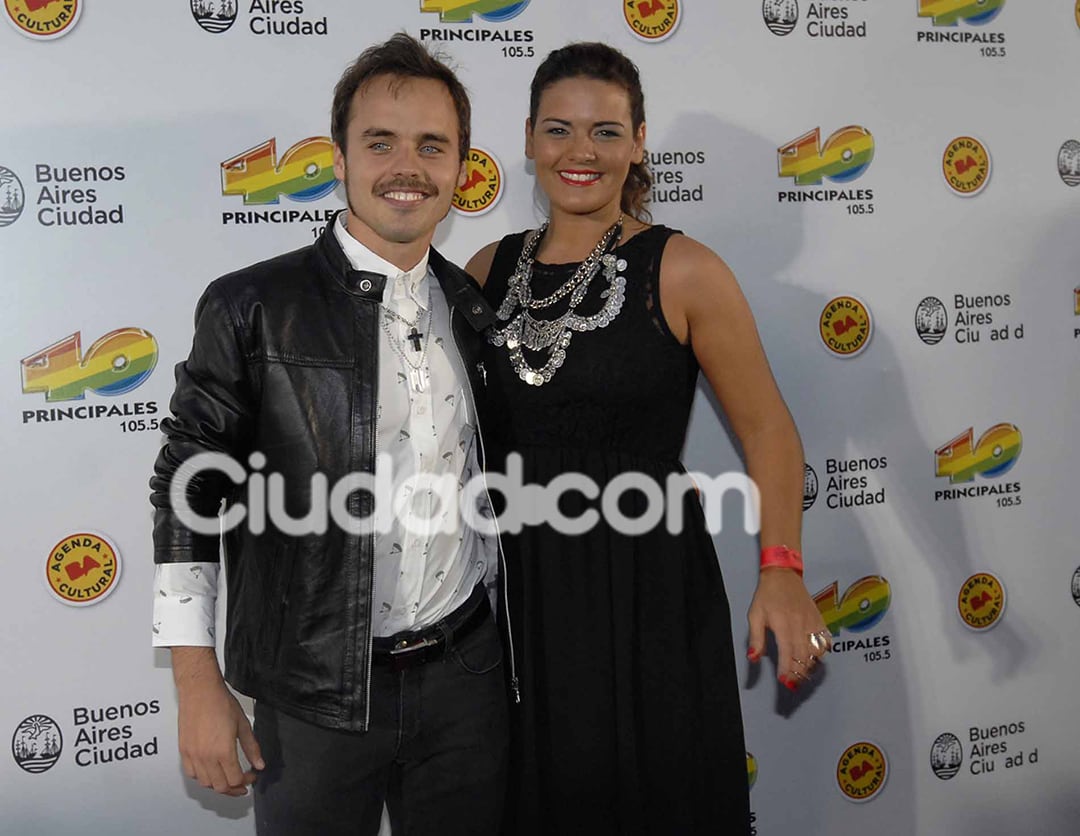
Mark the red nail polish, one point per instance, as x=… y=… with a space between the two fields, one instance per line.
x=753 y=654
x=790 y=684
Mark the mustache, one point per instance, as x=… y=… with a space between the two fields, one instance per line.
x=407 y=184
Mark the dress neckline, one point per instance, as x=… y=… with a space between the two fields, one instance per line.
x=565 y=265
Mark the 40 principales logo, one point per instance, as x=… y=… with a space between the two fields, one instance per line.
x=483 y=183
x=114 y=364
x=809 y=487
x=844 y=157
x=82 y=568
x=214 y=15
x=981 y=601
x=651 y=20
x=12 y=196
x=951 y=12
x=462 y=11
x=946 y=756
x=43 y=19
x=861 y=771
x=845 y=326
x=751 y=770
x=304 y=173
x=37 y=743
x=861 y=607
x=966 y=166
x=1068 y=161
x=994 y=454
x=931 y=320
x=781 y=16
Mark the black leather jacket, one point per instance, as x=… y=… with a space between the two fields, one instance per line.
x=284 y=362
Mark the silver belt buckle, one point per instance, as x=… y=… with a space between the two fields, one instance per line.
x=403 y=646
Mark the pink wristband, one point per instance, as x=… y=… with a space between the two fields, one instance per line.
x=781 y=557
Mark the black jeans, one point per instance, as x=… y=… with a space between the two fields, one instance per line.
x=435 y=752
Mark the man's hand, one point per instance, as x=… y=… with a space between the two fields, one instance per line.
x=211 y=722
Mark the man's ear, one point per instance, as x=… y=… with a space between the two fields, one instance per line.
x=528 y=139
x=339 y=163
x=461 y=173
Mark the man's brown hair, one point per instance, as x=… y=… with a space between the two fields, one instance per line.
x=402 y=57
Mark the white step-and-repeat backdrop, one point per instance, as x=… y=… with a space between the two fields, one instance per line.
x=895 y=182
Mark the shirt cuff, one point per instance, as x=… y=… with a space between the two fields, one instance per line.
x=185 y=598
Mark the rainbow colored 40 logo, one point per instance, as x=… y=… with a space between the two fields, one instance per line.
x=862 y=605
x=996 y=451
x=304 y=173
x=951 y=12
x=845 y=155
x=116 y=363
x=462 y=11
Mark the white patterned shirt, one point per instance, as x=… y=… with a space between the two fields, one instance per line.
x=423 y=571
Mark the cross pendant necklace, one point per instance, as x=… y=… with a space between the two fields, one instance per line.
x=417 y=374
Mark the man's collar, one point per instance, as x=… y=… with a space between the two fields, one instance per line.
x=460 y=289
x=362 y=258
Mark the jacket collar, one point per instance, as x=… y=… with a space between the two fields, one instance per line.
x=360 y=283
x=461 y=291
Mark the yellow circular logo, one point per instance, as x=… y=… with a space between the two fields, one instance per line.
x=1078 y=12
x=751 y=770
x=845 y=326
x=483 y=183
x=43 y=19
x=83 y=568
x=966 y=166
x=981 y=601
x=651 y=20
x=861 y=771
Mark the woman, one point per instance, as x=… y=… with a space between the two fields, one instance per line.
x=628 y=720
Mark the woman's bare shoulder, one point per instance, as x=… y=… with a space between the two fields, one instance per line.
x=480 y=264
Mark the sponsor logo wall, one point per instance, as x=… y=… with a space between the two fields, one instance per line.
x=894 y=184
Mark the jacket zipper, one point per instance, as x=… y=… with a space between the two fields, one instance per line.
x=371 y=535
x=514 y=685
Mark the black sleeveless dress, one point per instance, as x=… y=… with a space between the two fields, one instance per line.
x=629 y=719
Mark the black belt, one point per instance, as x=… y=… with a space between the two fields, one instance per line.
x=406 y=650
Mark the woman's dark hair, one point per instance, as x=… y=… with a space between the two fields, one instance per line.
x=402 y=57
x=603 y=63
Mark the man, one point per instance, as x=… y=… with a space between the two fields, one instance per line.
x=372 y=656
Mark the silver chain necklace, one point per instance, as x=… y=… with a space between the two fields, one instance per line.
x=553 y=336
x=417 y=376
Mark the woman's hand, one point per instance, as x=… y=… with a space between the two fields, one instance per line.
x=782 y=604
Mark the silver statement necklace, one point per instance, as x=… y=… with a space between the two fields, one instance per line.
x=553 y=335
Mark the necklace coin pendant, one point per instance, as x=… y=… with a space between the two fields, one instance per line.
x=552 y=336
